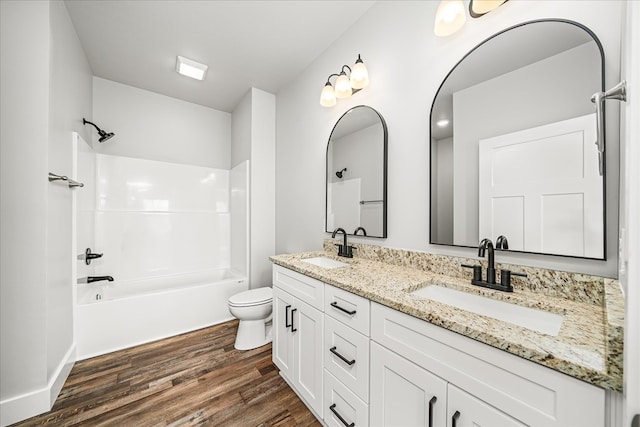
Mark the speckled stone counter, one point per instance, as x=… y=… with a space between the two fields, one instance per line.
x=588 y=347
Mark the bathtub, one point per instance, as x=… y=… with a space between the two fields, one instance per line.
x=111 y=316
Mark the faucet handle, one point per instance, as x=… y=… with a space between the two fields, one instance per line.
x=505 y=278
x=477 y=271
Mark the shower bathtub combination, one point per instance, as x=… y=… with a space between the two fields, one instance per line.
x=173 y=237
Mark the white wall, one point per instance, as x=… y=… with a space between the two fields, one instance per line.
x=397 y=44
x=253 y=139
x=263 y=201
x=156 y=127
x=46 y=88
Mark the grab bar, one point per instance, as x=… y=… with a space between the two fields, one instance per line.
x=71 y=182
x=364 y=202
x=618 y=92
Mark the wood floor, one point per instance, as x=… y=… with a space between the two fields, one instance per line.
x=196 y=378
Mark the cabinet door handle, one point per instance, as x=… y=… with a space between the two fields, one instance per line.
x=333 y=409
x=349 y=312
x=344 y=359
x=286 y=317
x=454 y=418
x=431 y=403
x=292 y=327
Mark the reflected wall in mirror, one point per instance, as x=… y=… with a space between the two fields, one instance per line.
x=356 y=192
x=512 y=143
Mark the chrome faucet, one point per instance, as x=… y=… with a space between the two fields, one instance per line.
x=343 y=250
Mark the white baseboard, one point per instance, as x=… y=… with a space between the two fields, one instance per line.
x=36 y=402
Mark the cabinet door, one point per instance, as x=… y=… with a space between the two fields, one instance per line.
x=282 y=350
x=307 y=342
x=465 y=410
x=404 y=394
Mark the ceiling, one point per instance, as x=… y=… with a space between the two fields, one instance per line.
x=262 y=44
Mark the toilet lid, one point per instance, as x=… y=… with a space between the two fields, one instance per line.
x=252 y=297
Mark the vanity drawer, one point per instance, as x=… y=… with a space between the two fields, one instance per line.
x=346 y=356
x=304 y=288
x=348 y=308
x=339 y=401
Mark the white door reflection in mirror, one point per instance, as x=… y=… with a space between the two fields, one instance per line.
x=540 y=188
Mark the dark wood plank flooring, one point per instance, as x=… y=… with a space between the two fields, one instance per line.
x=197 y=378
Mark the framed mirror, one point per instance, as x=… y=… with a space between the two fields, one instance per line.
x=512 y=143
x=356 y=180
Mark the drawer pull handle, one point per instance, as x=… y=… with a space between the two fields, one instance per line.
x=286 y=317
x=454 y=418
x=293 y=329
x=333 y=409
x=349 y=312
x=344 y=359
x=431 y=403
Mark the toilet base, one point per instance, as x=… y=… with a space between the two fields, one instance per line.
x=252 y=334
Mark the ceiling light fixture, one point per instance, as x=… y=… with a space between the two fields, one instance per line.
x=345 y=85
x=450 y=15
x=442 y=123
x=190 y=68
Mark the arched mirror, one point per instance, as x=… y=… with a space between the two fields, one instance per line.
x=356 y=192
x=512 y=143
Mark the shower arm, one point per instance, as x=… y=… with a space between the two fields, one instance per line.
x=85 y=122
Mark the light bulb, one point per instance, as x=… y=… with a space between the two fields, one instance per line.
x=477 y=8
x=327 y=97
x=450 y=17
x=343 y=86
x=359 y=75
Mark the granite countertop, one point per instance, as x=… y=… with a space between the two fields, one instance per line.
x=588 y=346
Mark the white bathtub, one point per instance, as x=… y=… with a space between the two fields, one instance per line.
x=111 y=316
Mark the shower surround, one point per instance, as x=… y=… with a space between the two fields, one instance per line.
x=165 y=232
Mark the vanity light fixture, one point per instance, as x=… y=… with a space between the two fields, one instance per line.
x=442 y=123
x=345 y=85
x=190 y=68
x=477 y=8
x=450 y=15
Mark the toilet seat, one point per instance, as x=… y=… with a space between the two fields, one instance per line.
x=253 y=297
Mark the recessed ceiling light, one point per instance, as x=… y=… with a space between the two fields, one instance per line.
x=190 y=68
x=442 y=123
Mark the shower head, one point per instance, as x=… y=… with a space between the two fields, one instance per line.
x=104 y=136
x=339 y=173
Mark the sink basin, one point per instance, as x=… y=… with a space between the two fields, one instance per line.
x=325 y=262
x=530 y=318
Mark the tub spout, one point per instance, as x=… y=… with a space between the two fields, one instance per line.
x=91 y=279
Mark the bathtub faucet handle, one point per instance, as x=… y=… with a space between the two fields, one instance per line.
x=88 y=256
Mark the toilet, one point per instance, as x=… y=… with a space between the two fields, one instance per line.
x=253 y=308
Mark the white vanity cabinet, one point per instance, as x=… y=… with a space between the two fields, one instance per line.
x=297 y=333
x=486 y=386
